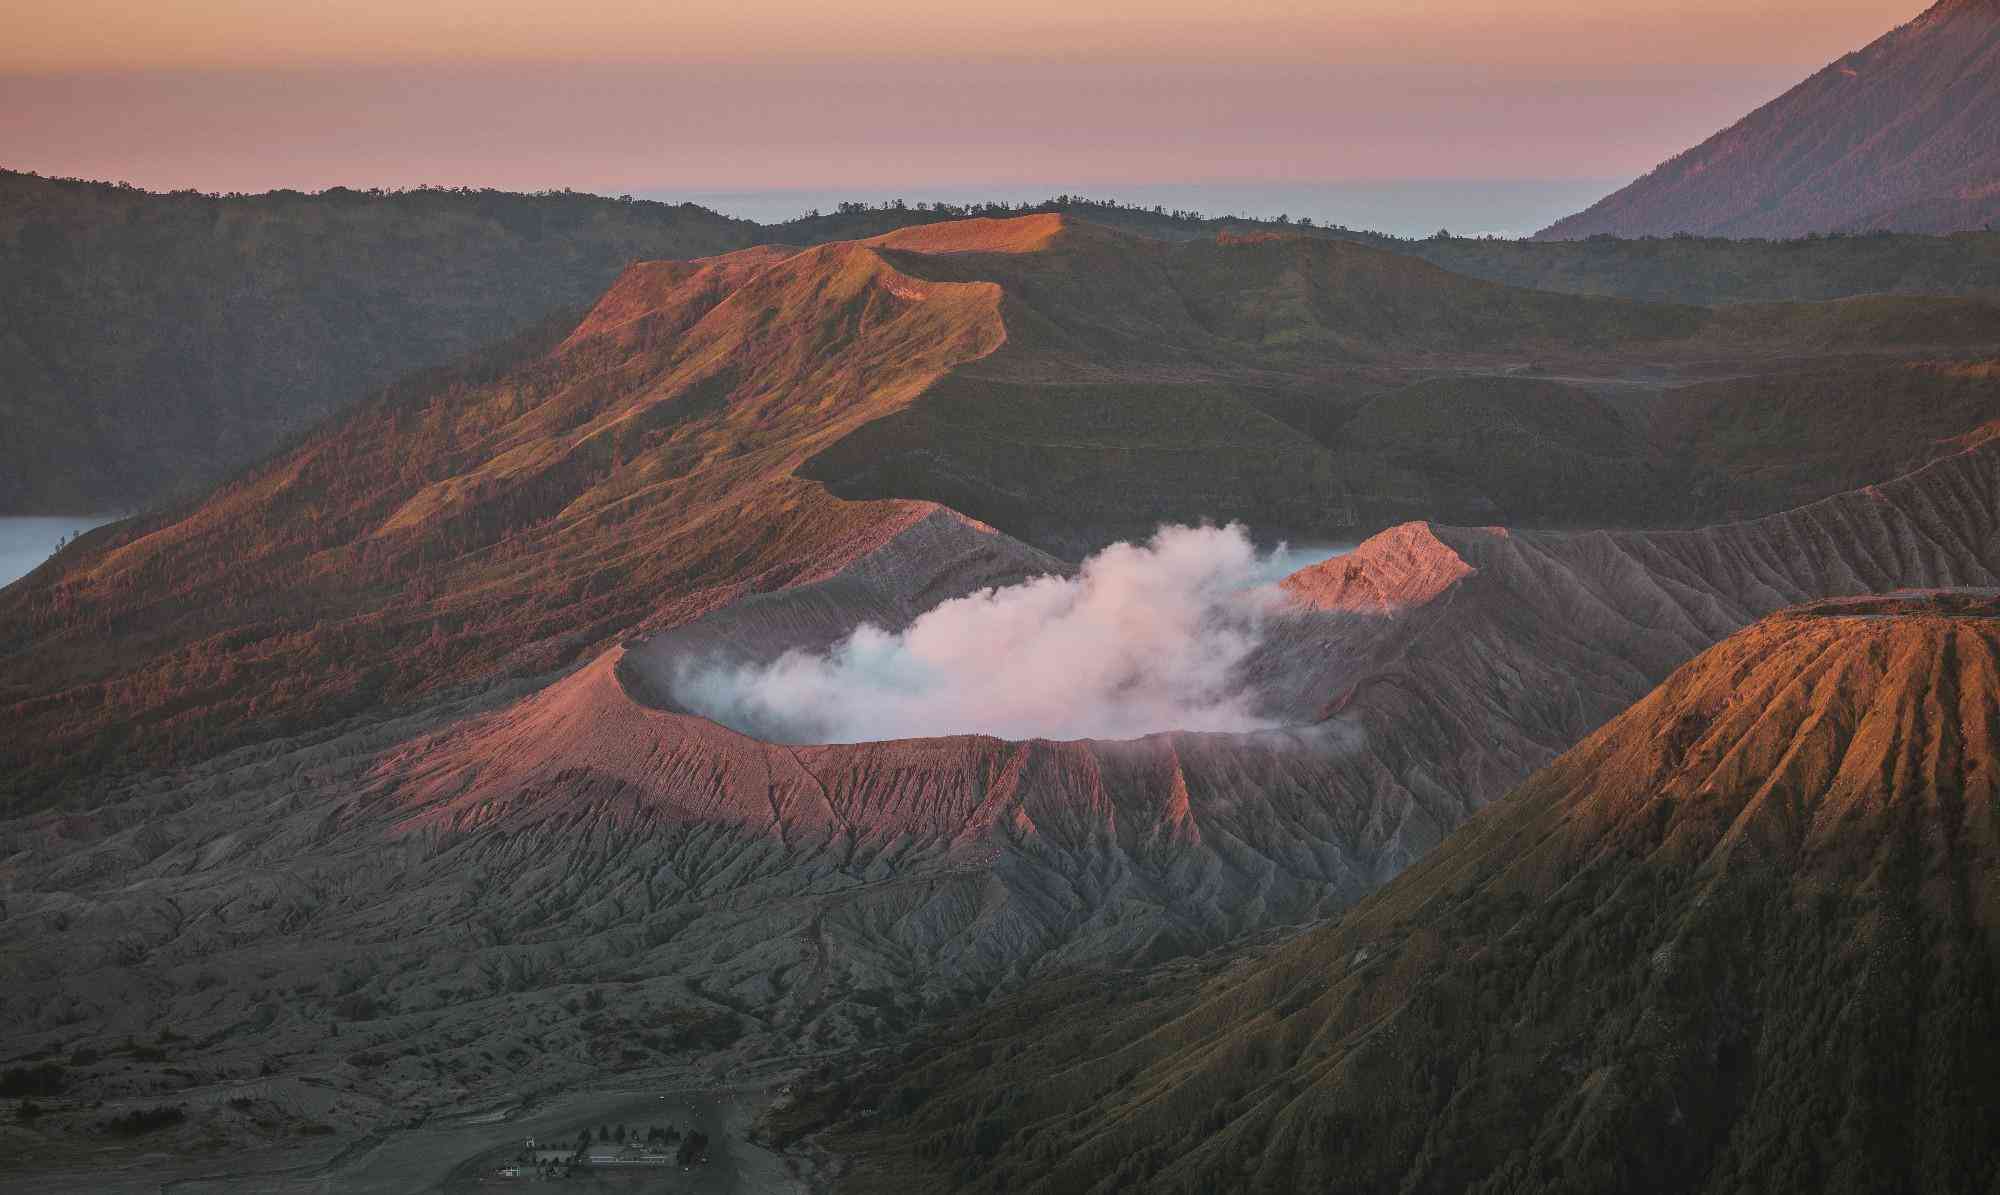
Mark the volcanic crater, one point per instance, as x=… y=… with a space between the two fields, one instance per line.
x=957 y=629
x=619 y=724
x=532 y=866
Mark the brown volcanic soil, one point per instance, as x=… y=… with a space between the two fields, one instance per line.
x=495 y=518
x=691 y=442
x=506 y=895
x=1747 y=936
x=514 y=875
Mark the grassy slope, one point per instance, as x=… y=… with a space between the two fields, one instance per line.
x=1134 y=387
x=1711 y=270
x=150 y=344
x=1745 y=446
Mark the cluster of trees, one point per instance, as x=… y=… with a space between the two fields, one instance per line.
x=900 y=212
x=1056 y=203
x=140 y=1121
x=554 y=194
x=610 y=1134
x=1685 y=268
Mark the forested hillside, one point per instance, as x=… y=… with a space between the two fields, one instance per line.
x=152 y=344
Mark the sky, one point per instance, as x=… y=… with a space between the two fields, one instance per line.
x=891 y=97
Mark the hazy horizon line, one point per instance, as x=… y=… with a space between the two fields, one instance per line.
x=1218 y=198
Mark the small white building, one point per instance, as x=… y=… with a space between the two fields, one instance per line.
x=611 y=1154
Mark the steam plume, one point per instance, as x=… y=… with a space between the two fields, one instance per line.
x=1146 y=637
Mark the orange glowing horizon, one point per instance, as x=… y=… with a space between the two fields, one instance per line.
x=618 y=95
x=90 y=35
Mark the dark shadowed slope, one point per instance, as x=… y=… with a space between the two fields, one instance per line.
x=1678 y=270
x=1746 y=445
x=1904 y=134
x=150 y=345
x=1714 y=269
x=1744 y=937
x=1318 y=389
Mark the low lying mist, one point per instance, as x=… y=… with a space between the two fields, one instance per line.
x=1145 y=637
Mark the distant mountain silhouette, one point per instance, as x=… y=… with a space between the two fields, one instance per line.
x=1902 y=135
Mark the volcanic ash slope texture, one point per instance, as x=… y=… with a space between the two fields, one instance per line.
x=693 y=441
x=387 y=904
x=416 y=884
x=1745 y=936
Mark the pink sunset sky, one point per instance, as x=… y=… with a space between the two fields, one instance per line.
x=706 y=95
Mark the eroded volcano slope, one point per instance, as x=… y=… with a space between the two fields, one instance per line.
x=515 y=876
x=1746 y=936
x=519 y=891
x=691 y=441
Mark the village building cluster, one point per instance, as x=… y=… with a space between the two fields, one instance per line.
x=612 y=1146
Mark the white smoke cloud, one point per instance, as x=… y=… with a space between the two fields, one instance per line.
x=1144 y=638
